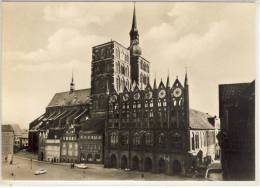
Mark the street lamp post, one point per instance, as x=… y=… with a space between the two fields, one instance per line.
x=31 y=162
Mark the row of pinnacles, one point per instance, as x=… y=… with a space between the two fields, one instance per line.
x=178 y=93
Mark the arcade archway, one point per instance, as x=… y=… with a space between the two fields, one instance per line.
x=135 y=165
x=176 y=167
x=123 y=162
x=148 y=164
x=113 y=161
x=161 y=166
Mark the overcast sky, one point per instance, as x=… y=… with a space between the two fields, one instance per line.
x=43 y=42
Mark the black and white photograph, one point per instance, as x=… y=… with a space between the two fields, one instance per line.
x=128 y=92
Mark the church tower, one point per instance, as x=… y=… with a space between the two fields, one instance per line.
x=140 y=67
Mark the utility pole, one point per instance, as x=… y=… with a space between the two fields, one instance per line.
x=31 y=162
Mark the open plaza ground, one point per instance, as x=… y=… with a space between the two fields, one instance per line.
x=23 y=169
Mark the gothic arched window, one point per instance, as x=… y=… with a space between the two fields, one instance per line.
x=122 y=84
x=148 y=139
x=161 y=140
x=141 y=78
x=114 y=138
x=124 y=139
x=137 y=139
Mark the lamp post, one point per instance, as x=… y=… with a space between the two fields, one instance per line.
x=31 y=162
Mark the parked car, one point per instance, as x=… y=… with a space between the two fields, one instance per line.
x=127 y=169
x=214 y=174
x=40 y=171
x=83 y=166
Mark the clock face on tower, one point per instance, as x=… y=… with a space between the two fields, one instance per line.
x=177 y=92
x=125 y=97
x=136 y=96
x=148 y=95
x=162 y=94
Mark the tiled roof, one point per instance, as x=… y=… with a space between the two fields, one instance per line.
x=7 y=128
x=199 y=120
x=69 y=99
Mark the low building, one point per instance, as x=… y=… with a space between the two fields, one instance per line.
x=237 y=135
x=17 y=137
x=24 y=140
x=7 y=141
x=202 y=138
x=91 y=141
x=69 y=145
x=50 y=145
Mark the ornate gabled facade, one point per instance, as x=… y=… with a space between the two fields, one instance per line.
x=153 y=130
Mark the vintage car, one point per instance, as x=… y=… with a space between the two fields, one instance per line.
x=83 y=166
x=40 y=171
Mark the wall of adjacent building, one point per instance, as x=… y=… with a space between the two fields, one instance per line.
x=7 y=143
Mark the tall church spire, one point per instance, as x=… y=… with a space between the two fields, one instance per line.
x=72 y=85
x=134 y=35
x=134 y=25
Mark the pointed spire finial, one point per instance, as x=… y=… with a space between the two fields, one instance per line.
x=168 y=80
x=154 y=84
x=186 y=76
x=134 y=25
x=134 y=35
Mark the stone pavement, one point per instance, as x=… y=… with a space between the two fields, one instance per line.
x=23 y=169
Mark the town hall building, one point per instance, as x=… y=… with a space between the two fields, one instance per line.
x=122 y=120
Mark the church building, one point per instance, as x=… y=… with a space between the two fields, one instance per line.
x=123 y=121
